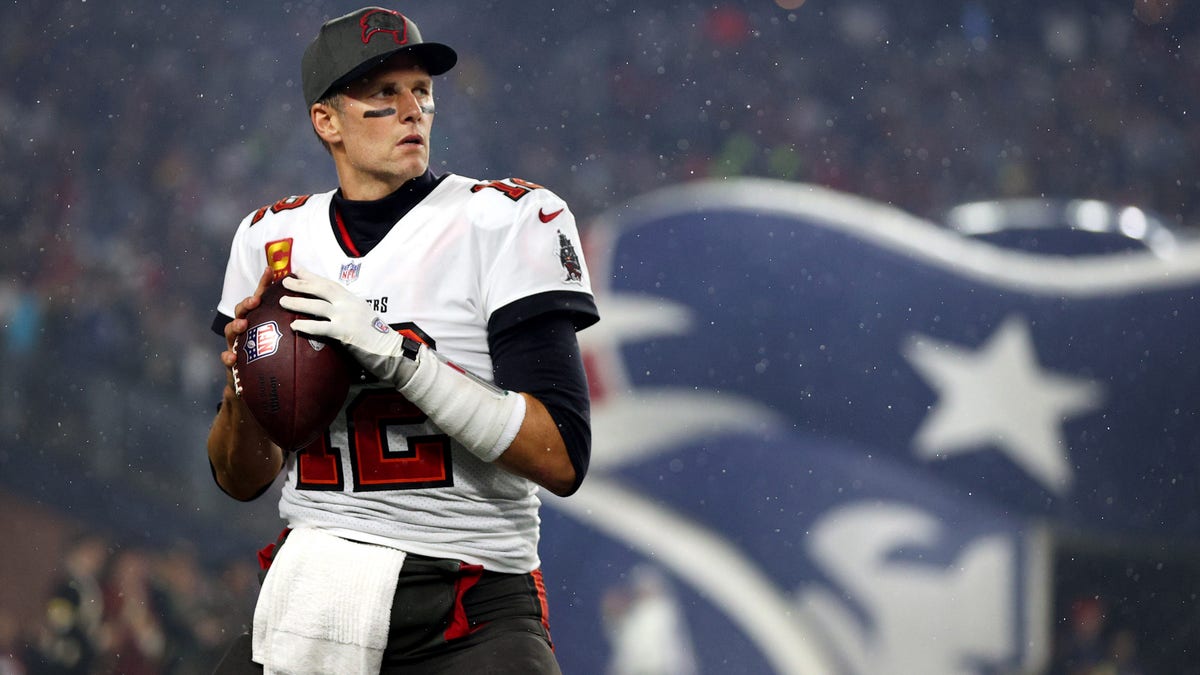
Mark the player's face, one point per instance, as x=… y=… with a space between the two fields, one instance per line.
x=384 y=122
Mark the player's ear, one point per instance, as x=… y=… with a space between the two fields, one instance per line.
x=325 y=121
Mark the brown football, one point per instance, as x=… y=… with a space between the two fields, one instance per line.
x=293 y=384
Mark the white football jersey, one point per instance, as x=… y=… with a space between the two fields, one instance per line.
x=384 y=473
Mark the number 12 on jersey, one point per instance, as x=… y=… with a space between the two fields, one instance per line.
x=423 y=462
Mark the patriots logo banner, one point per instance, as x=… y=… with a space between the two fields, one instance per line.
x=830 y=437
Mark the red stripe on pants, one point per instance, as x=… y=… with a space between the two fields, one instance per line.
x=468 y=577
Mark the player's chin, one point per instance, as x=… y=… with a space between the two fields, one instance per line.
x=412 y=165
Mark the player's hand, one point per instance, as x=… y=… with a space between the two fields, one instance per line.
x=238 y=325
x=345 y=317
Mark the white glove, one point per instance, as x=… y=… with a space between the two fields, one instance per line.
x=482 y=417
x=389 y=356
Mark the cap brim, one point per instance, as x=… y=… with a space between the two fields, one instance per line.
x=436 y=58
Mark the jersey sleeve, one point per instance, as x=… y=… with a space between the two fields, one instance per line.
x=541 y=255
x=242 y=271
x=541 y=357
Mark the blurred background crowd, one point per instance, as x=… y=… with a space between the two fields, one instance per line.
x=135 y=136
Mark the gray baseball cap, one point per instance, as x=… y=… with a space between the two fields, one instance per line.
x=349 y=46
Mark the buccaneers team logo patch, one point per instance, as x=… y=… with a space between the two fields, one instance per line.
x=262 y=341
x=386 y=22
x=569 y=259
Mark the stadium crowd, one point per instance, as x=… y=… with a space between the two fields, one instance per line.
x=132 y=611
x=131 y=149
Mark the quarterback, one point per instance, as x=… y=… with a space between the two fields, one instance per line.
x=411 y=525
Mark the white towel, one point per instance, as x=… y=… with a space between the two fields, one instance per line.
x=325 y=606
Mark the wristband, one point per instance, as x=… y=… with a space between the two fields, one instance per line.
x=482 y=417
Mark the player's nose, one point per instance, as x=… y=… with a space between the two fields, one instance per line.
x=410 y=108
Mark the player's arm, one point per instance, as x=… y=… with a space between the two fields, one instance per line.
x=244 y=461
x=538 y=453
x=534 y=351
x=516 y=430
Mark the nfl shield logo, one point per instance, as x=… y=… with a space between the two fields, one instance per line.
x=261 y=341
x=349 y=272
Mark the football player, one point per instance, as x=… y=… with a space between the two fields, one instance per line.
x=411 y=540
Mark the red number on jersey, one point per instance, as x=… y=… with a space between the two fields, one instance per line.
x=514 y=189
x=284 y=204
x=424 y=462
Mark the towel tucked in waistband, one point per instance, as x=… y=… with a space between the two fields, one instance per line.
x=324 y=606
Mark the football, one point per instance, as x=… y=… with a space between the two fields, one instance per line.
x=294 y=385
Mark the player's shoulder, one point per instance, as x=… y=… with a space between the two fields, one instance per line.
x=289 y=210
x=505 y=200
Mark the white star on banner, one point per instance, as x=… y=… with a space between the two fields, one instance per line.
x=999 y=396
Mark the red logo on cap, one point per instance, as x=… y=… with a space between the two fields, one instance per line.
x=384 y=21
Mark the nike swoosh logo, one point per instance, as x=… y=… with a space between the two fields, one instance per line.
x=547 y=217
